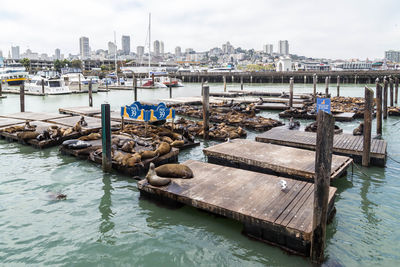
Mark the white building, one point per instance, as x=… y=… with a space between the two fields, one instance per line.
x=84 y=47
x=15 y=52
x=162 y=48
x=178 y=51
x=283 y=47
x=126 y=44
x=112 y=49
x=156 y=46
x=57 y=54
x=268 y=49
x=284 y=64
x=140 y=52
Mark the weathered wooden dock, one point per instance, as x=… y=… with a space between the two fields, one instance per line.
x=282 y=218
x=83 y=111
x=93 y=124
x=9 y=121
x=343 y=144
x=344 y=116
x=273 y=159
x=265 y=93
x=277 y=106
x=34 y=116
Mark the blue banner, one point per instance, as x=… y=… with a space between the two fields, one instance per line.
x=140 y=112
x=324 y=104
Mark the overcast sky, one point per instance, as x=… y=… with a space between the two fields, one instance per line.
x=339 y=29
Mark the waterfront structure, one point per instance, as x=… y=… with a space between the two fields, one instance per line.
x=112 y=49
x=392 y=55
x=268 y=49
x=354 y=65
x=140 y=51
x=1 y=53
x=156 y=46
x=57 y=54
x=283 y=47
x=162 y=48
x=15 y=52
x=178 y=51
x=84 y=47
x=126 y=44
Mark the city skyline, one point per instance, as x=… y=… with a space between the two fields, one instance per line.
x=359 y=31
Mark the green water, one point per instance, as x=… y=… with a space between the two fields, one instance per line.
x=104 y=221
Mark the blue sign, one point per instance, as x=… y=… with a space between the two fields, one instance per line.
x=324 y=104
x=140 y=112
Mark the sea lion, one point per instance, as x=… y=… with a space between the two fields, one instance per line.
x=148 y=154
x=128 y=146
x=82 y=122
x=43 y=136
x=359 y=130
x=293 y=124
x=68 y=131
x=77 y=127
x=57 y=196
x=163 y=148
x=167 y=139
x=154 y=179
x=174 y=171
x=92 y=136
x=133 y=159
x=27 y=135
x=118 y=156
x=29 y=127
x=178 y=143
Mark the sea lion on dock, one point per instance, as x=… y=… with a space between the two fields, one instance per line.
x=43 y=136
x=68 y=131
x=154 y=179
x=133 y=159
x=148 y=154
x=177 y=143
x=174 y=171
x=82 y=121
x=27 y=135
x=29 y=127
x=359 y=130
x=163 y=148
x=128 y=146
x=167 y=139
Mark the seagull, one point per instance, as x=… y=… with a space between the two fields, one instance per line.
x=282 y=184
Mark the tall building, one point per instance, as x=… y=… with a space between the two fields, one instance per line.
x=57 y=54
x=1 y=53
x=140 y=52
x=84 y=47
x=126 y=44
x=162 y=48
x=178 y=51
x=283 y=47
x=156 y=45
x=228 y=48
x=15 y=52
x=189 y=50
x=268 y=48
x=112 y=49
x=392 y=55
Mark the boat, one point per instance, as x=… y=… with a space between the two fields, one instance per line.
x=148 y=83
x=78 y=83
x=13 y=74
x=51 y=85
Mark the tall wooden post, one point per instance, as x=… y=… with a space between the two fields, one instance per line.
x=326 y=86
x=378 y=107
x=206 y=110
x=90 y=94
x=323 y=161
x=315 y=84
x=224 y=79
x=241 y=83
x=251 y=78
x=202 y=84
x=42 y=86
x=369 y=98
x=305 y=79
x=22 y=97
x=1 y=87
x=391 y=91
x=152 y=78
x=106 y=137
x=79 y=82
x=135 y=88
x=170 y=90
x=291 y=93
x=338 y=85
x=385 y=98
x=396 y=95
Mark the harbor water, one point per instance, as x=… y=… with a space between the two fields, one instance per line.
x=105 y=222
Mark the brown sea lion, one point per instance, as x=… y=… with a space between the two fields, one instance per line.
x=77 y=127
x=133 y=159
x=148 y=154
x=118 y=156
x=174 y=171
x=68 y=131
x=154 y=179
x=128 y=146
x=167 y=139
x=359 y=130
x=27 y=135
x=178 y=143
x=163 y=148
x=92 y=136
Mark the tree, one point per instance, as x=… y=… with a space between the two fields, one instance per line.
x=58 y=65
x=76 y=63
x=26 y=63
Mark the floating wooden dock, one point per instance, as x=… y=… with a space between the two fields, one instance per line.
x=277 y=106
x=344 y=116
x=264 y=93
x=283 y=218
x=83 y=111
x=9 y=121
x=273 y=159
x=34 y=116
x=93 y=124
x=343 y=144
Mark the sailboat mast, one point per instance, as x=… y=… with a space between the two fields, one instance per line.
x=115 y=56
x=149 y=40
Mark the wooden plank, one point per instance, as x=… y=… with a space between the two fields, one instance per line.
x=9 y=121
x=277 y=106
x=34 y=116
x=93 y=124
x=82 y=110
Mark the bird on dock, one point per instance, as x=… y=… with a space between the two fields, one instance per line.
x=293 y=124
x=282 y=184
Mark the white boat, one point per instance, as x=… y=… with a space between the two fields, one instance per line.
x=51 y=86
x=148 y=83
x=13 y=74
x=78 y=83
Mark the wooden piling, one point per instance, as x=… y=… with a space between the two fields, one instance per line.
x=170 y=90
x=326 y=86
x=323 y=162
x=315 y=84
x=202 y=84
x=79 y=82
x=396 y=90
x=206 y=110
x=90 y=94
x=385 y=98
x=378 y=107
x=224 y=79
x=106 y=137
x=391 y=91
x=43 y=86
x=135 y=88
x=291 y=93
x=241 y=83
x=22 y=97
x=369 y=98
x=338 y=85
x=1 y=87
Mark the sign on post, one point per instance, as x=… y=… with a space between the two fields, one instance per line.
x=324 y=104
x=140 y=112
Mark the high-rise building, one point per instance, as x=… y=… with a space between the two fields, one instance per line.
x=162 y=48
x=156 y=45
x=283 y=47
x=228 y=48
x=189 y=50
x=112 y=49
x=84 y=47
x=1 y=53
x=126 y=44
x=268 y=48
x=392 y=55
x=140 y=52
x=15 y=52
x=178 y=51
x=57 y=54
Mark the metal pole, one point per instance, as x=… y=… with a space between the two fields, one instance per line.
x=106 y=137
x=291 y=93
x=22 y=97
